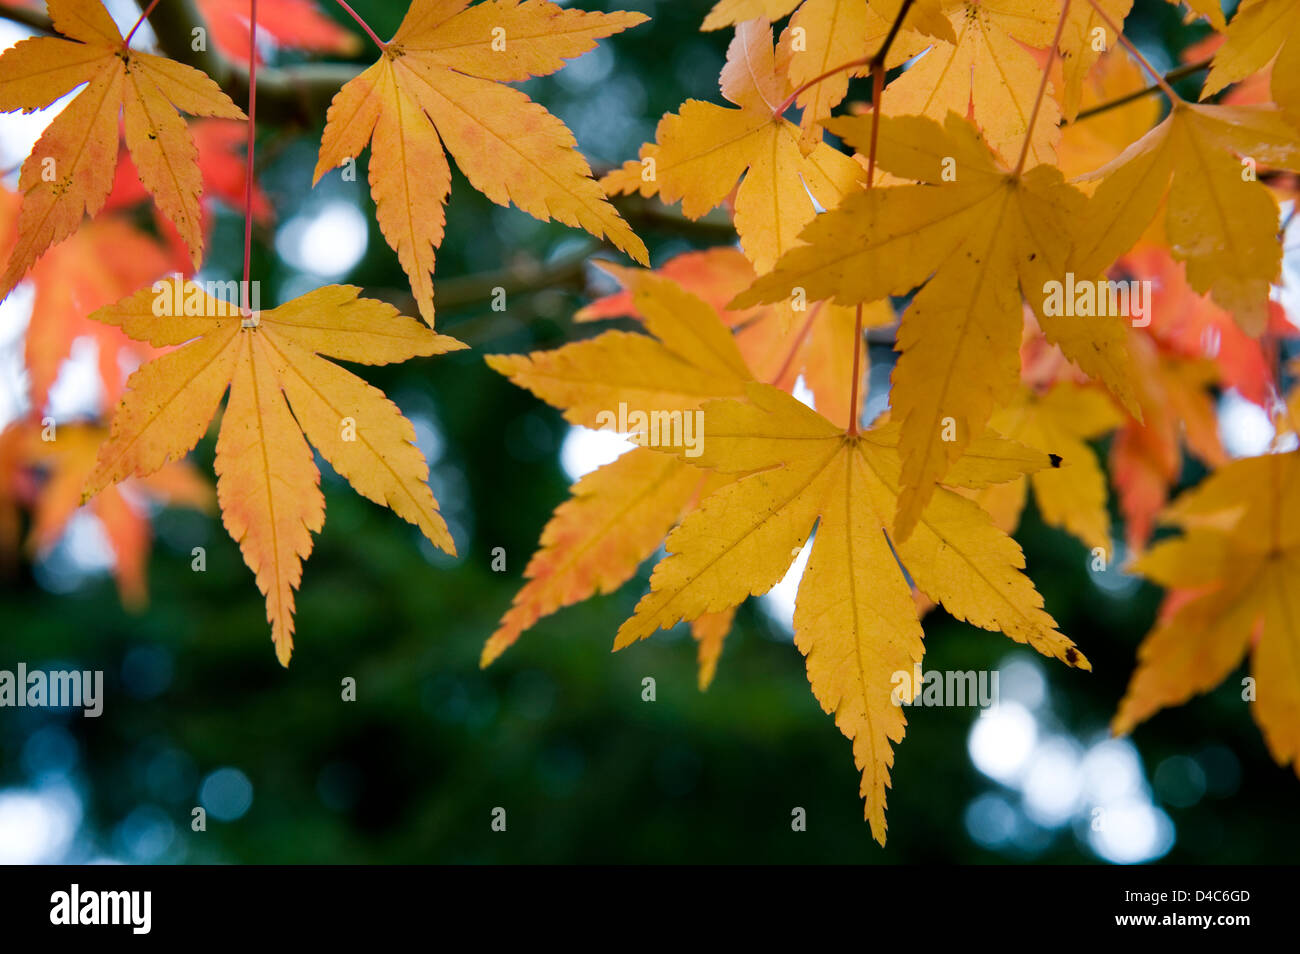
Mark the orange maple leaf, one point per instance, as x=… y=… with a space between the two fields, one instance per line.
x=70 y=170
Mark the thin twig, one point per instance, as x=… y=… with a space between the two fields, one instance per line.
x=857 y=372
x=145 y=13
x=876 y=59
x=798 y=343
x=1042 y=88
x=363 y=24
x=28 y=18
x=1172 y=76
x=877 y=94
x=1136 y=53
x=248 y=159
x=877 y=97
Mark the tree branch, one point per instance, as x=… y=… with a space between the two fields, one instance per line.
x=1171 y=77
x=28 y=18
x=473 y=293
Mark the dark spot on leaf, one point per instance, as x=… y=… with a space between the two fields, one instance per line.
x=1071 y=656
x=1056 y=459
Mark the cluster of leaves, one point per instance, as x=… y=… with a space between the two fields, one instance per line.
x=439 y=80
x=1009 y=144
x=974 y=183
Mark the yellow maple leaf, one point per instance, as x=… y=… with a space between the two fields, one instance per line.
x=825 y=34
x=704 y=149
x=1261 y=31
x=619 y=514
x=282 y=393
x=775 y=351
x=710 y=633
x=976 y=240
x=1072 y=496
x=1239 y=556
x=1219 y=219
x=1085 y=36
x=855 y=619
x=988 y=70
x=1089 y=143
x=1212 y=10
x=440 y=82
x=925 y=16
x=69 y=172
x=727 y=13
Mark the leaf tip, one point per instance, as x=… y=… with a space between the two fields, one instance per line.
x=1076 y=659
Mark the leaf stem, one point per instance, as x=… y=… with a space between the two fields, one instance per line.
x=877 y=94
x=143 y=16
x=1163 y=86
x=248 y=159
x=876 y=59
x=798 y=343
x=800 y=90
x=362 y=23
x=877 y=63
x=1042 y=87
x=857 y=372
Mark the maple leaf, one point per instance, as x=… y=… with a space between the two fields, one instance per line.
x=813 y=350
x=710 y=633
x=989 y=70
x=825 y=34
x=1261 y=32
x=70 y=170
x=1088 y=144
x=925 y=15
x=727 y=13
x=1212 y=10
x=618 y=515
x=1084 y=37
x=1239 y=556
x=1146 y=458
x=440 y=82
x=1191 y=346
x=1219 y=219
x=715 y=275
x=282 y=393
x=855 y=619
x=702 y=151
x=295 y=24
x=222 y=163
x=94 y=267
x=975 y=243
x=66 y=460
x=1072 y=496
